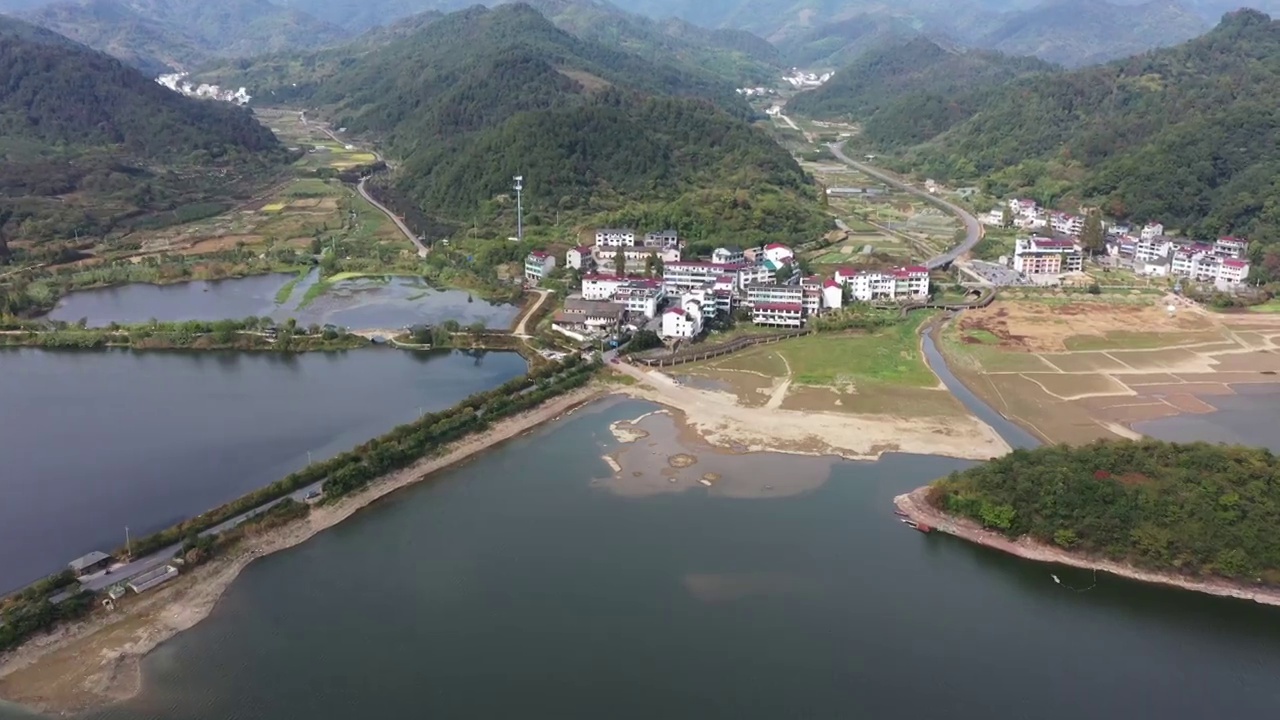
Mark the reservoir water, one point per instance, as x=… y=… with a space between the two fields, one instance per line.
x=534 y=583
x=357 y=304
x=93 y=442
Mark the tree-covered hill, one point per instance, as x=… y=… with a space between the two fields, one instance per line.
x=914 y=83
x=159 y=36
x=83 y=136
x=481 y=95
x=1188 y=135
x=1195 y=509
x=1083 y=32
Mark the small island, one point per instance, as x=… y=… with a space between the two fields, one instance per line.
x=1197 y=516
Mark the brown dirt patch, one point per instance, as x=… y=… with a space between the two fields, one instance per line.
x=218 y=244
x=1044 y=326
x=1189 y=403
x=1084 y=362
x=1067 y=386
x=1248 y=362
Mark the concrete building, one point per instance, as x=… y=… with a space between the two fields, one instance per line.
x=579 y=258
x=787 y=315
x=90 y=563
x=1047 y=256
x=640 y=297
x=152 y=578
x=683 y=321
x=601 y=287
x=538 y=265
x=1151 y=230
x=615 y=237
x=898 y=285
x=590 y=315
x=665 y=240
x=728 y=255
x=778 y=253
x=832 y=295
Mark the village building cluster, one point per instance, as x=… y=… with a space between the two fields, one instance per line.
x=661 y=290
x=1054 y=247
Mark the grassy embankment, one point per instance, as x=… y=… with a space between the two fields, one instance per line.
x=877 y=370
x=249 y=334
x=29 y=612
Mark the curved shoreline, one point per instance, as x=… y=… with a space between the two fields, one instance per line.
x=916 y=507
x=139 y=627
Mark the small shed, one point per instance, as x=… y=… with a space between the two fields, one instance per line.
x=90 y=563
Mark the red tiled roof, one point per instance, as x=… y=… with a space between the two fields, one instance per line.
x=830 y=283
x=1232 y=263
x=776 y=246
x=779 y=307
x=675 y=311
x=538 y=254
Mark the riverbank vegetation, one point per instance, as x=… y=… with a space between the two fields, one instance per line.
x=249 y=334
x=1194 y=509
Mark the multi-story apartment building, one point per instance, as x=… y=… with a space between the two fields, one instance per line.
x=665 y=240
x=908 y=283
x=537 y=265
x=1047 y=256
x=1066 y=224
x=789 y=315
x=640 y=297
x=615 y=237
x=774 y=294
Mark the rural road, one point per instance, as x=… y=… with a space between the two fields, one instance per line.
x=422 y=249
x=100 y=580
x=520 y=329
x=973 y=229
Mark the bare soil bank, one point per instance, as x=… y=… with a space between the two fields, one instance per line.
x=915 y=504
x=90 y=664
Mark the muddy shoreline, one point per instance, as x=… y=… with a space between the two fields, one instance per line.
x=97 y=662
x=916 y=507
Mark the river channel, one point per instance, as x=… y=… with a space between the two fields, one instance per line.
x=529 y=583
x=365 y=303
x=96 y=441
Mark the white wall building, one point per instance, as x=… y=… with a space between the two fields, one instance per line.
x=1047 y=256
x=579 y=257
x=684 y=321
x=908 y=283
x=615 y=237
x=1151 y=230
x=727 y=255
x=537 y=265
x=778 y=253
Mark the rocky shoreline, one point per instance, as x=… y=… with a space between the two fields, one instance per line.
x=916 y=507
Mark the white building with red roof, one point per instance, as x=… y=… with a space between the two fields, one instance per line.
x=899 y=284
x=1047 y=256
x=579 y=257
x=537 y=265
x=684 y=320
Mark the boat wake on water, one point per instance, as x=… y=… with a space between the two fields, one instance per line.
x=1058 y=580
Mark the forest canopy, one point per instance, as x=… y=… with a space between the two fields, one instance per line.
x=1196 y=509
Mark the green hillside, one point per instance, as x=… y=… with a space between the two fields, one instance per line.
x=909 y=87
x=87 y=141
x=1195 y=509
x=1188 y=135
x=481 y=95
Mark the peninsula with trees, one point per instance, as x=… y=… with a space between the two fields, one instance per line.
x=1196 y=516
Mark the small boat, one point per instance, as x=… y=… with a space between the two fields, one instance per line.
x=705 y=482
x=900 y=513
x=917 y=525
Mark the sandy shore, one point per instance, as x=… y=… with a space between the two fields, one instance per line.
x=97 y=662
x=721 y=421
x=916 y=506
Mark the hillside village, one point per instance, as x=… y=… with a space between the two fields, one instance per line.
x=677 y=298
x=1043 y=258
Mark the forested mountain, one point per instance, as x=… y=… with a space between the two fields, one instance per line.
x=83 y=136
x=1083 y=32
x=162 y=35
x=912 y=86
x=842 y=42
x=481 y=95
x=735 y=55
x=1188 y=135
x=1194 y=509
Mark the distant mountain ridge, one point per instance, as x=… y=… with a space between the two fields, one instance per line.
x=164 y=35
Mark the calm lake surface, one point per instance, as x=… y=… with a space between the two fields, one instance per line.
x=1247 y=418
x=532 y=583
x=95 y=441
x=363 y=303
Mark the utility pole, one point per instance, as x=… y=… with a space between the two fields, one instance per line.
x=519 y=208
x=128 y=546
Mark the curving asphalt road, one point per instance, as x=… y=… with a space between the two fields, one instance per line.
x=973 y=228
x=422 y=249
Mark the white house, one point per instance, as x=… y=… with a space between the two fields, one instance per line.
x=579 y=257
x=726 y=255
x=778 y=253
x=684 y=321
x=1233 y=272
x=907 y=283
x=537 y=265
x=615 y=237
x=995 y=218
x=667 y=240
x=832 y=294
x=1151 y=230
x=1066 y=224
x=640 y=297
x=1047 y=256
x=1231 y=247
